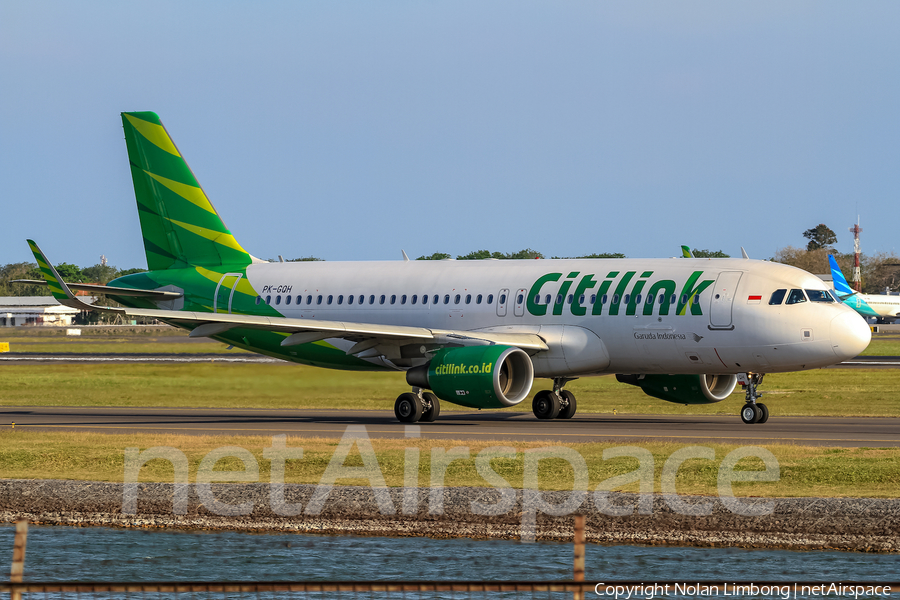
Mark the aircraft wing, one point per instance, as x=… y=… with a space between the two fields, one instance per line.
x=108 y=289
x=368 y=336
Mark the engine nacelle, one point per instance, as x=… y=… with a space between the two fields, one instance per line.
x=684 y=389
x=477 y=376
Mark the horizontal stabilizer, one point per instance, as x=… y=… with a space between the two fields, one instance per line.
x=108 y=289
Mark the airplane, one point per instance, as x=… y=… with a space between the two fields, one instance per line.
x=472 y=333
x=881 y=306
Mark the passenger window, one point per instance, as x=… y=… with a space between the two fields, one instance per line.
x=381 y=299
x=559 y=298
x=446 y=298
x=456 y=299
x=372 y=299
x=626 y=299
x=393 y=298
x=490 y=299
x=672 y=299
x=299 y=299
x=593 y=298
x=604 y=299
x=547 y=299
x=818 y=296
x=696 y=300
x=502 y=298
x=684 y=298
x=649 y=298
x=330 y=298
x=309 y=299
x=287 y=300
x=277 y=300
x=341 y=299
x=777 y=297
x=414 y=298
x=520 y=298
x=350 y=299
x=403 y=299
x=570 y=299
x=615 y=299
x=268 y=299
x=258 y=300
x=637 y=299
x=319 y=299
x=434 y=300
x=468 y=298
x=662 y=299
x=478 y=299
x=537 y=298
x=796 y=297
x=581 y=299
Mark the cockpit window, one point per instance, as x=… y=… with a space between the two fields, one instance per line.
x=777 y=297
x=819 y=296
x=796 y=297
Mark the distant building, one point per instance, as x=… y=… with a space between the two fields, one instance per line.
x=16 y=311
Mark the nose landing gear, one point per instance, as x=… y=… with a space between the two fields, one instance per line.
x=753 y=411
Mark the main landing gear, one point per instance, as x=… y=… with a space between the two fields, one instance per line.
x=753 y=411
x=556 y=403
x=416 y=406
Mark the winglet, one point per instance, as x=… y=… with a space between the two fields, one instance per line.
x=686 y=252
x=744 y=253
x=838 y=281
x=58 y=287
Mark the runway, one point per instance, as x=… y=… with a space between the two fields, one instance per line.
x=500 y=426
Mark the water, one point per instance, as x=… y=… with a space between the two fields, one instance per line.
x=103 y=554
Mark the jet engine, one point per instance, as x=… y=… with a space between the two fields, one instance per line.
x=476 y=376
x=684 y=389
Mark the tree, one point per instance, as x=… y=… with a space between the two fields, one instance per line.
x=435 y=256
x=305 y=259
x=814 y=261
x=599 y=255
x=709 y=254
x=70 y=273
x=820 y=236
x=99 y=273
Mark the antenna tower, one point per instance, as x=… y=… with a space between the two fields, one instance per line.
x=856 y=230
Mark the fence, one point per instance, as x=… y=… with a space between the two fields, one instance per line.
x=577 y=588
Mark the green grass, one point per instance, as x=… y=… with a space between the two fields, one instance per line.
x=804 y=471
x=825 y=392
x=883 y=344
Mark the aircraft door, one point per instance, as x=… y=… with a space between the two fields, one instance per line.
x=519 y=309
x=225 y=292
x=722 y=301
x=502 y=299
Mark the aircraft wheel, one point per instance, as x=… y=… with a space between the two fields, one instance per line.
x=750 y=414
x=545 y=405
x=431 y=413
x=569 y=411
x=764 y=412
x=408 y=408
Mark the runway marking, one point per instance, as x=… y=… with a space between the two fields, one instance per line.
x=605 y=435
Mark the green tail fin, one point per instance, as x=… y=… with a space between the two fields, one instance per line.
x=181 y=228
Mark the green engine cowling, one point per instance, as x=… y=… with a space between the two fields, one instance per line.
x=684 y=389
x=476 y=376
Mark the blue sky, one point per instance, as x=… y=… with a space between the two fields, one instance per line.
x=350 y=130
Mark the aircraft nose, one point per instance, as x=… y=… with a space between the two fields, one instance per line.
x=850 y=335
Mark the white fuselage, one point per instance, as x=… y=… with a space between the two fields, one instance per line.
x=705 y=315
